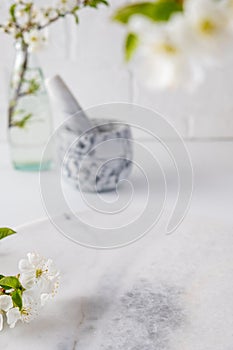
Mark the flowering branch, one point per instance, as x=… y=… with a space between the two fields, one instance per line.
x=26 y=16
x=26 y=23
x=22 y=296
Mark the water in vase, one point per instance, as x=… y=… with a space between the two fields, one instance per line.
x=30 y=122
x=28 y=142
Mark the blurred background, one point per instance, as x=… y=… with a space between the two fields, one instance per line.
x=90 y=59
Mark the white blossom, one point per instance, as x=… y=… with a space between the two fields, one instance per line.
x=229 y=9
x=36 y=270
x=52 y=14
x=43 y=16
x=164 y=58
x=209 y=23
x=38 y=16
x=67 y=5
x=35 y=39
x=8 y=28
x=31 y=305
x=21 y=15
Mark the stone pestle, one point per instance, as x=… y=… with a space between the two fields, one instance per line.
x=68 y=104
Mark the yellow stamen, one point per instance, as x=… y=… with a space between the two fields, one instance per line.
x=24 y=312
x=167 y=48
x=207 y=26
x=39 y=272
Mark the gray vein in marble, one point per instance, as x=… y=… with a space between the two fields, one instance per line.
x=93 y=164
x=140 y=319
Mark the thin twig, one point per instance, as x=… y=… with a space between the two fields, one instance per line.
x=17 y=90
x=40 y=27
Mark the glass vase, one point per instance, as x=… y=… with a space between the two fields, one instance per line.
x=29 y=114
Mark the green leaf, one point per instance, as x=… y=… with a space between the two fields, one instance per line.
x=10 y=282
x=5 y=232
x=34 y=86
x=95 y=3
x=75 y=9
x=76 y=18
x=131 y=45
x=104 y=2
x=22 y=122
x=17 y=299
x=156 y=11
x=1 y=276
x=28 y=7
x=12 y=12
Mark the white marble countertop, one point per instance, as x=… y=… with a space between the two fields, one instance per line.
x=162 y=292
x=212 y=195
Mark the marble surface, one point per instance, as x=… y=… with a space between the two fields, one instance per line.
x=163 y=292
x=160 y=293
x=212 y=195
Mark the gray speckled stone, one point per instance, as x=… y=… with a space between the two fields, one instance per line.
x=142 y=318
x=98 y=159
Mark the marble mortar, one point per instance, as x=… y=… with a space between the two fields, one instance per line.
x=98 y=159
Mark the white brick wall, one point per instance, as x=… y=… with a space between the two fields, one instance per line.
x=90 y=59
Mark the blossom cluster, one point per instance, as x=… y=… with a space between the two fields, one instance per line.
x=28 y=22
x=23 y=296
x=172 y=43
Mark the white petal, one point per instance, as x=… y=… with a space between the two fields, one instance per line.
x=5 y=302
x=1 y=322
x=25 y=266
x=27 y=280
x=44 y=298
x=31 y=296
x=34 y=259
x=13 y=315
x=139 y=24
